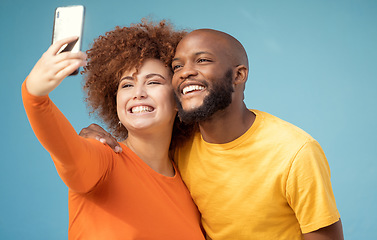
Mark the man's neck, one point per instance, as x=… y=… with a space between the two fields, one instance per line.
x=227 y=125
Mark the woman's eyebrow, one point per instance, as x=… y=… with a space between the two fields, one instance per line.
x=127 y=78
x=148 y=76
x=153 y=75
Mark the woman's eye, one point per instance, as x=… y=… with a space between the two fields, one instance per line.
x=126 y=85
x=153 y=82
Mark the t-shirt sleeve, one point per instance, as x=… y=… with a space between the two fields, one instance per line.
x=309 y=190
x=80 y=162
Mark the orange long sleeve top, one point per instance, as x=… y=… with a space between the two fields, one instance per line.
x=111 y=196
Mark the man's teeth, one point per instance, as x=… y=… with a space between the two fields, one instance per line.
x=141 y=109
x=192 y=88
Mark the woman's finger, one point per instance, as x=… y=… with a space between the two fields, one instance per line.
x=51 y=69
x=54 y=48
x=65 y=68
x=69 y=56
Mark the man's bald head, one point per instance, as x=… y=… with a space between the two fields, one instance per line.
x=229 y=45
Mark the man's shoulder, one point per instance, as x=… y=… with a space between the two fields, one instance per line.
x=280 y=129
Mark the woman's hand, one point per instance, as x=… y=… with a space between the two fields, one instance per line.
x=53 y=67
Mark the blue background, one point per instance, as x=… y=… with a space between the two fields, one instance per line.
x=313 y=63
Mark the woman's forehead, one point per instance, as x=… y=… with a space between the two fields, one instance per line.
x=149 y=66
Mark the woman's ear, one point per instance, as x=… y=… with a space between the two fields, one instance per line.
x=241 y=73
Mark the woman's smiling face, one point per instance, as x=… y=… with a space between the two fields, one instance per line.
x=145 y=98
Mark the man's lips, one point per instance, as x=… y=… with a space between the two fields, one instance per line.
x=141 y=109
x=192 y=88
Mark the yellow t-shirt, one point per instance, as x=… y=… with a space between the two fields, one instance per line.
x=273 y=182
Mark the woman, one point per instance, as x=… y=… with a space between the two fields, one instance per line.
x=138 y=193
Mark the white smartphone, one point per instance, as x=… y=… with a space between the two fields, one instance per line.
x=68 y=22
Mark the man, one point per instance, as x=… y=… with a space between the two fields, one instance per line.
x=252 y=175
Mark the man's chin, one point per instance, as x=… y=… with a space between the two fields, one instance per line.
x=191 y=107
x=193 y=115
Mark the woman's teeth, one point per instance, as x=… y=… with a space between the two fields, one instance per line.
x=141 y=109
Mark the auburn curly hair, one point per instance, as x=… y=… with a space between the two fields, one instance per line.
x=120 y=50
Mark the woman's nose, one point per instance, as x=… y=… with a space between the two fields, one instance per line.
x=140 y=92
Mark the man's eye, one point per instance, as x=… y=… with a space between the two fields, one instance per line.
x=203 y=60
x=176 y=67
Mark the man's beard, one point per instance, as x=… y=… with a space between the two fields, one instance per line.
x=220 y=97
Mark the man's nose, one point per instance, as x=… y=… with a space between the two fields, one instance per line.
x=187 y=71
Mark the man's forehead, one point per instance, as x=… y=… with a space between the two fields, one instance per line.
x=205 y=37
x=218 y=43
x=201 y=42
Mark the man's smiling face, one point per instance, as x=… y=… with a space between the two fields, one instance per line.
x=202 y=78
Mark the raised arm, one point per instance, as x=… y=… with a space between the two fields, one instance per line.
x=52 y=68
x=79 y=162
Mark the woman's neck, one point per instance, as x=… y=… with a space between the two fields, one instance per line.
x=153 y=149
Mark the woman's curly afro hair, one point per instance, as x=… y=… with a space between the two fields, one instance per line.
x=121 y=50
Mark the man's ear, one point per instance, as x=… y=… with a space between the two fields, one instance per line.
x=241 y=72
